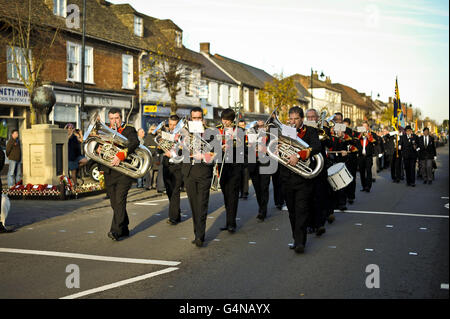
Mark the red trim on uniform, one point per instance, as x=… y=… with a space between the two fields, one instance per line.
x=121 y=155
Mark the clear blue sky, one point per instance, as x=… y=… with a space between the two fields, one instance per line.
x=361 y=43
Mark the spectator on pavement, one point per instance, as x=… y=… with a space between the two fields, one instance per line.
x=76 y=159
x=14 y=154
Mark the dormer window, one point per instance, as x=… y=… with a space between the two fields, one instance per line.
x=60 y=8
x=138 y=26
x=178 y=39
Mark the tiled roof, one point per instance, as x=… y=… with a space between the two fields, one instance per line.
x=209 y=70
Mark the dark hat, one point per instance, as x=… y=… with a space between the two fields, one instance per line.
x=408 y=127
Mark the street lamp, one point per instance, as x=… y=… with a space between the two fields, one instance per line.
x=312 y=98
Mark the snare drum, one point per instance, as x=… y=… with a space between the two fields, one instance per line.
x=339 y=176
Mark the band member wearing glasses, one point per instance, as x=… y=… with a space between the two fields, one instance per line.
x=298 y=189
x=197 y=175
x=117 y=184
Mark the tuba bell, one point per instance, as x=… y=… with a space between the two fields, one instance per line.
x=282 y=147
x=135 y=165
x=169 y=144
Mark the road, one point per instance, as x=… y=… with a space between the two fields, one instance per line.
x=401 y=230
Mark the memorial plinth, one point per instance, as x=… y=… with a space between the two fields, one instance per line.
x=45 y=154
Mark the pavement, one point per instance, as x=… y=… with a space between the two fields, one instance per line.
x=400 y=230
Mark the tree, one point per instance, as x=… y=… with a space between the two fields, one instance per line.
x=29 y=46
x=386 y=116
x=281 y=92
x=168 y=67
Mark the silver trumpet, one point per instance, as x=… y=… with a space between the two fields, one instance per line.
x=135 y=165
x=282 y=147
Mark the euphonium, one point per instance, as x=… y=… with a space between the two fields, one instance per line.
x=320 y=125
x=135 y=165
x=167 y=145
x=283 y=147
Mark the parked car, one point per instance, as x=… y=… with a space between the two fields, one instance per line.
x=92 y=170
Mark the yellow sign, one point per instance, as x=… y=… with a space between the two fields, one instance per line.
x=205 y=111
x=150 y=108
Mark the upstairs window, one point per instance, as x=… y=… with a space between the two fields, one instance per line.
x=127 y=71
x=138 y=26
x=74 y=63
x=178 y=39
x=17 y=64
x=60 y=8
x=188 y=82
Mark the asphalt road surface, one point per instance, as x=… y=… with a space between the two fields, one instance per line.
x=403 y=231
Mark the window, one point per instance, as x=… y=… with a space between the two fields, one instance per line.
x=17 y=64
x=138 y=26
x=188 y=82
x=178 y=39
x=74 y=63
x=155 y=70
x=60 y=8
x=219 y=95
x=127 y=71
x=229 y=95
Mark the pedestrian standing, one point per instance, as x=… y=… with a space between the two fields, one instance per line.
x=14 y=154
x=427 y=154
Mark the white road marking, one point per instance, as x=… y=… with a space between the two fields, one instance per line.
x=444 y=286
x=62 y=231
x=358 y=224
x=387 y=213
x=152 y=236
x=390 y=226
x=423 y=228
x=446 y=205
x=210 y=217
x=444 y=197
x=413 y=253
x=91 y=232
x=369 y=249
x=252 y=242
x=216 y=239
x=90 y=257
x=151 y=203
x=120 y=283
x=331 y=246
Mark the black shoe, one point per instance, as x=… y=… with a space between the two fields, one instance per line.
x=292 y=246
x=3 y=229
x=198 y=242
x=321 y=230
x=331 y=219
x=373 y=180
x=223 y=228
x=113 y=236
x=310 y=230
x=106 y=197
x=413 y=185
x=397 y=181
x=299 y=249
x=429 y=182
x=425 y=182
x=171 y=222
x=279 y=206
x=368 y=190
x=363 y=190
x=351 y=201
x=231 y=229
x=343 y=208
x=260 y=217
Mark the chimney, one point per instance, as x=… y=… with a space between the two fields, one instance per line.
x=315 y=76
x=328 y=80
x=390 y=99
x=204 y=47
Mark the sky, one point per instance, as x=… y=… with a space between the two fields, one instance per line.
x=364 y=44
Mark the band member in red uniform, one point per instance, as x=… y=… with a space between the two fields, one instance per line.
x=297 y=189
x=118 y=184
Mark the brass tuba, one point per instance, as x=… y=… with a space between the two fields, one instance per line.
x=135 y=165
x=283 y=147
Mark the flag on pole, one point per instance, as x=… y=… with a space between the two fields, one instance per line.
x=398 y=117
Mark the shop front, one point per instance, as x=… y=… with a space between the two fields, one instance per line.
x=155 y=114
x=67 y=107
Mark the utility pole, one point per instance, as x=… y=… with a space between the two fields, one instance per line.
x=82 y=63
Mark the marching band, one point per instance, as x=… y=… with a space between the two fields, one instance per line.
x=316 y=161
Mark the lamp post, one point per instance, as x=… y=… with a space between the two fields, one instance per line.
x=312 y=97
x=82 y=63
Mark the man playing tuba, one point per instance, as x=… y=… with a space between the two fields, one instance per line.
x=118 y=184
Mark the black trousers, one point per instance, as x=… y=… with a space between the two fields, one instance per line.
x=173 y=180
x=352 y=166
x=278 y=196
x=319 y=200
x=229 y=184
x=396 y=167
x=117 y=186
x=261 y=184
x=410 y=170
x=243 y=186
x=198 y=184
x=297 y=200
x=365 y=171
